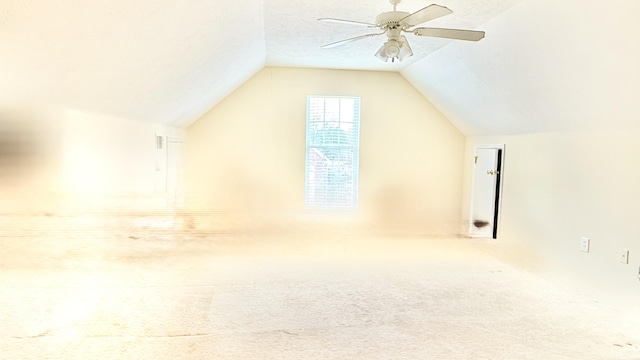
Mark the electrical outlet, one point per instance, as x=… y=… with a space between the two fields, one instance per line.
x=624 y=256
x=584 y=244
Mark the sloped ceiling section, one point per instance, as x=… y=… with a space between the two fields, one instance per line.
x=168 y=62
x=160 y=61
x=544 y=66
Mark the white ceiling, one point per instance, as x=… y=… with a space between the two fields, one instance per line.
x=162 y=61
x=293 y=34
x=544 y=65
x=170 y=61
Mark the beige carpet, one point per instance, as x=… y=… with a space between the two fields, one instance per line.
x=77 y=289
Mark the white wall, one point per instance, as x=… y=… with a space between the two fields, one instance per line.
x=559 y=187
x=558 y=83
x=248 y=153
x=61 y=157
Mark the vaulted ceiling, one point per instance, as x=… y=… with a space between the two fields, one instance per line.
x=544 y=65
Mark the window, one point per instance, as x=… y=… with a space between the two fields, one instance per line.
x=333 y=129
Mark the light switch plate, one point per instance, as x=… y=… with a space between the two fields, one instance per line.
x=584 y=244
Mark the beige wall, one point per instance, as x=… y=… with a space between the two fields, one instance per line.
x=559 y=187
x=248 y=153
x=58 y=157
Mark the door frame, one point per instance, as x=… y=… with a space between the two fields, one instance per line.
x=499 y=185
x=178 y=195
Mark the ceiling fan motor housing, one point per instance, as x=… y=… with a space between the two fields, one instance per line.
x=390 y=19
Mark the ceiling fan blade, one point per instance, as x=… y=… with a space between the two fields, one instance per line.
x=469 y=35
x=345 y=41
x=350 y=22
x=430 y=12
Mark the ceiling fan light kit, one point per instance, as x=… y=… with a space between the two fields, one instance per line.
x=397 y=47
x=394 y=23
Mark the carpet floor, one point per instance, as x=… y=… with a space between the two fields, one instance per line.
x=138 y=293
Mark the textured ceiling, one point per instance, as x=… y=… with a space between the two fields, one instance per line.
x=545 y=66
x=160 y=61
x=294 y=36
x=170 y=61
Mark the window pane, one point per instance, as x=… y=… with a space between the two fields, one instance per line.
x=347 y=110
x=316 y=110
x=330 y=171
x=332 y=152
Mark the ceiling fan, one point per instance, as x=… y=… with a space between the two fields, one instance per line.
x=394 y=23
